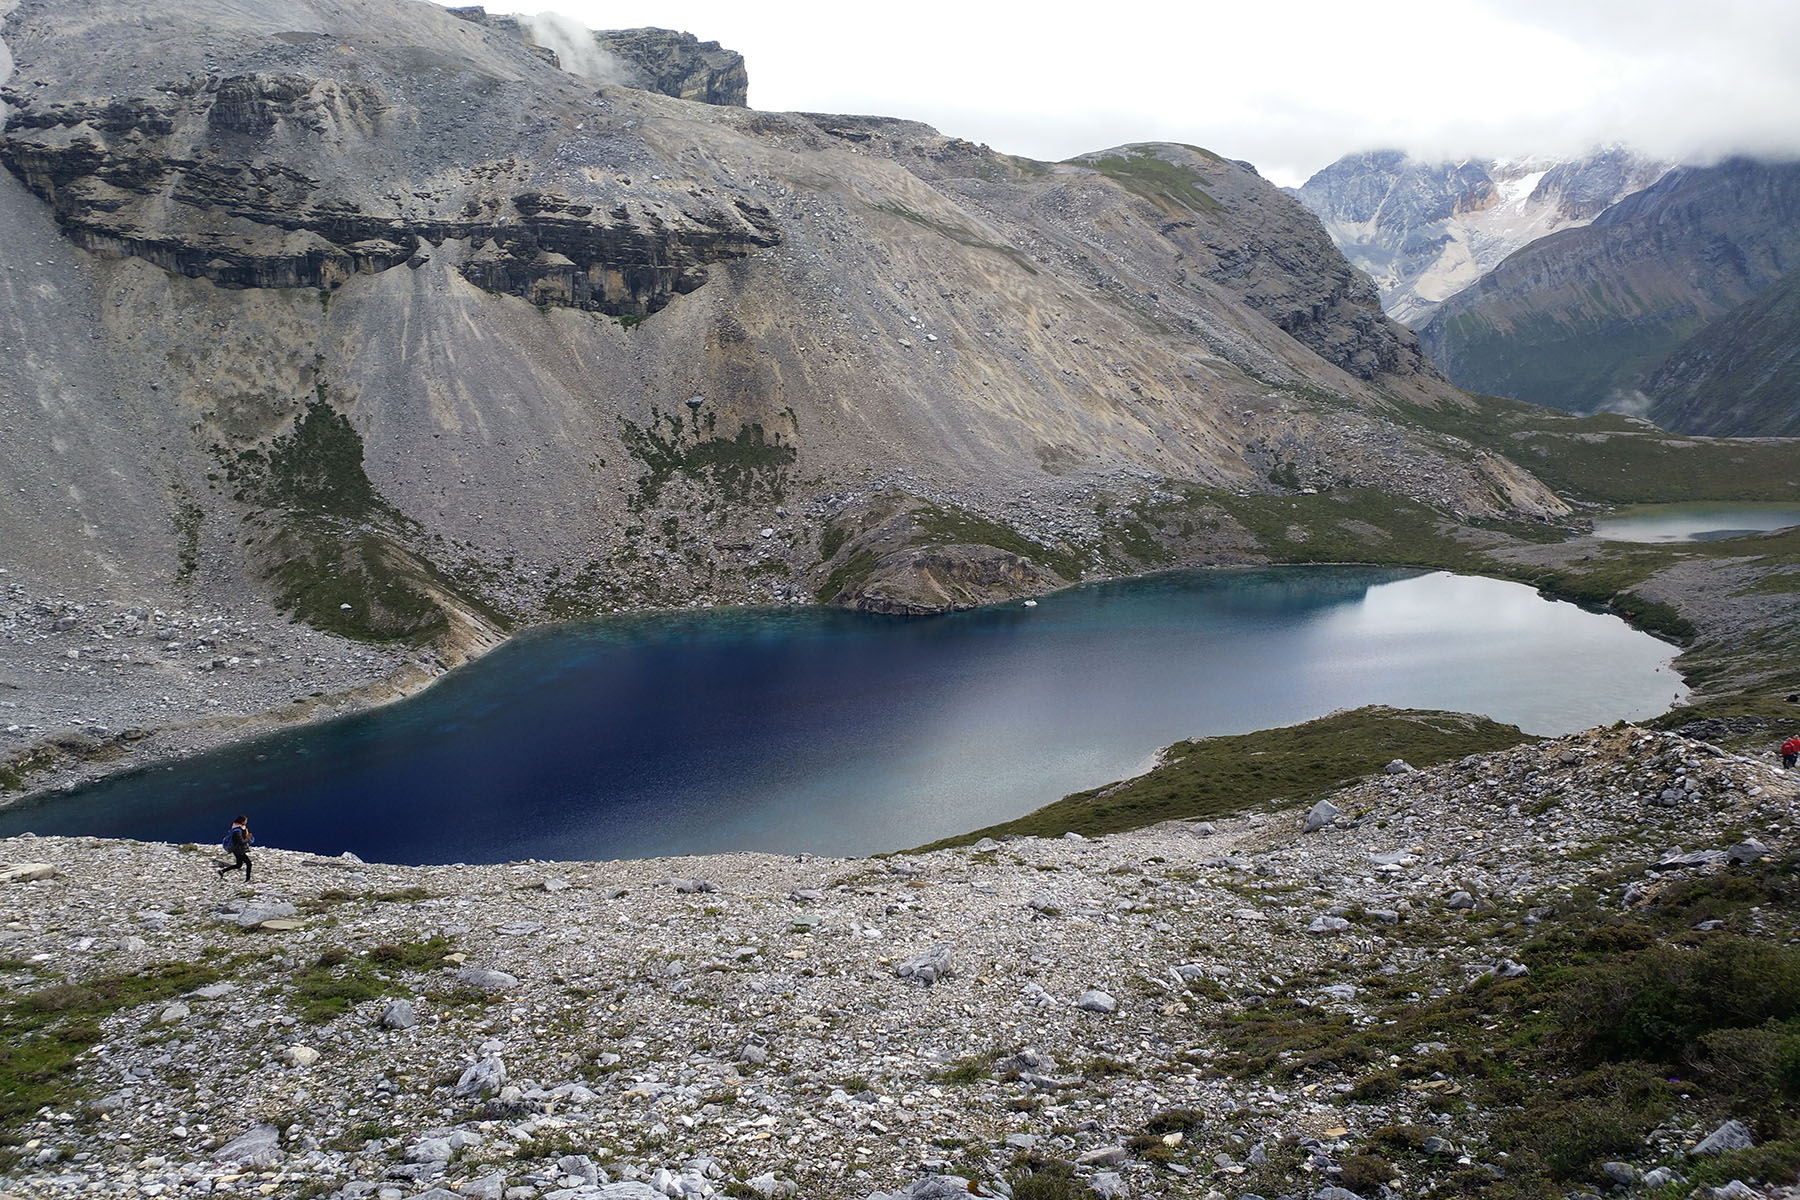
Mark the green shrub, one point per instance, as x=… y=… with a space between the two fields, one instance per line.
x=1597 y=1115
x=1364 y=1174
x=1659 y=1002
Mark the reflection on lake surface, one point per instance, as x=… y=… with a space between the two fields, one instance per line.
x=1693 y=522
x=835 y=732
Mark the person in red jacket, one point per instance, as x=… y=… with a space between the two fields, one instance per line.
x=1790 y=750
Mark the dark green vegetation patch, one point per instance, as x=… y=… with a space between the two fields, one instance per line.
x=336 y=554
x=1220 y=776
x=947 y=525
x=751 y=467
x=1625 y=1022
x=338 y=979
x=1612 y=459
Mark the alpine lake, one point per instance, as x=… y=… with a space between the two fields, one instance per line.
x=1693 y=522
x=830 y=732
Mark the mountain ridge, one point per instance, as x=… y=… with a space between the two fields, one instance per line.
x=1577 y=319
x=1424 y=230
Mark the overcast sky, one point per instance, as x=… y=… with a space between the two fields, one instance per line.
x=1288 y=86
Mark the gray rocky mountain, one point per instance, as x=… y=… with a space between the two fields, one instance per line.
x=1425 y=230
x=656 y=60
x=388 y=320
x=1740 y=375
x=1577 y=320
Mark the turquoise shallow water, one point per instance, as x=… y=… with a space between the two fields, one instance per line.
x=1693 y=522
x=840 y=733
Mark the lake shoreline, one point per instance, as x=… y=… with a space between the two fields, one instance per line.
x=807 y=729
x=145 y=748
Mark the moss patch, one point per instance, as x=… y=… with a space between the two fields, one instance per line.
x=1167 y=185
x=43 y=1032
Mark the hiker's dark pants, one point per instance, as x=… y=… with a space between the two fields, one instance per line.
x=1787 y=760
x=241 y=858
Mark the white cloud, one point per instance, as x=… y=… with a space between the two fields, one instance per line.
x=1288 y=87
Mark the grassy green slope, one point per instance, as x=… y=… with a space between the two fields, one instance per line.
x=1212 y=777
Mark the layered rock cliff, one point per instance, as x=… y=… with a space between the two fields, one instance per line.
x=1425 y=230
x=1578 y=319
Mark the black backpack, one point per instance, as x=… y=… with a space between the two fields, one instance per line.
x=238 y=839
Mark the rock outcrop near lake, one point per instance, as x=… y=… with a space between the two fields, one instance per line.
x=419 y=326
x=1413 y=988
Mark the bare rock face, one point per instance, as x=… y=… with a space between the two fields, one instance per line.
x=679 y=65
x=208 y=179
x=655 y=60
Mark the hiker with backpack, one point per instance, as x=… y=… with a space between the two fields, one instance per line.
x=237 y=841
x=1790 y=750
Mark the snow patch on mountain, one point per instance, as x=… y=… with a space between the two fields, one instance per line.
x=1423 y=231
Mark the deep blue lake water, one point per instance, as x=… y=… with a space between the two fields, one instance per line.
x=840 y=733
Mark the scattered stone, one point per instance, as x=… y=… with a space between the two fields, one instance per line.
x=1398 y=766
x=487 y=980
x=1623 y=1174
x=1460 y=900
x=1104 y=1156
x=1096 y=1001
x=1676 y=860
x=927 y=967
x=486 y=1076
x=30 y=872
x=299 y=1056
x=398 y=1015
x=1109 y=1185
x=488 y=1187
x=1322 y=814
x=1747 y=851
x=1732 y=1135
x=259 y=1147
x=250 y=916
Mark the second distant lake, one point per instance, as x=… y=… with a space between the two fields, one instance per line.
x=1693 y=522
x=840 y=733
